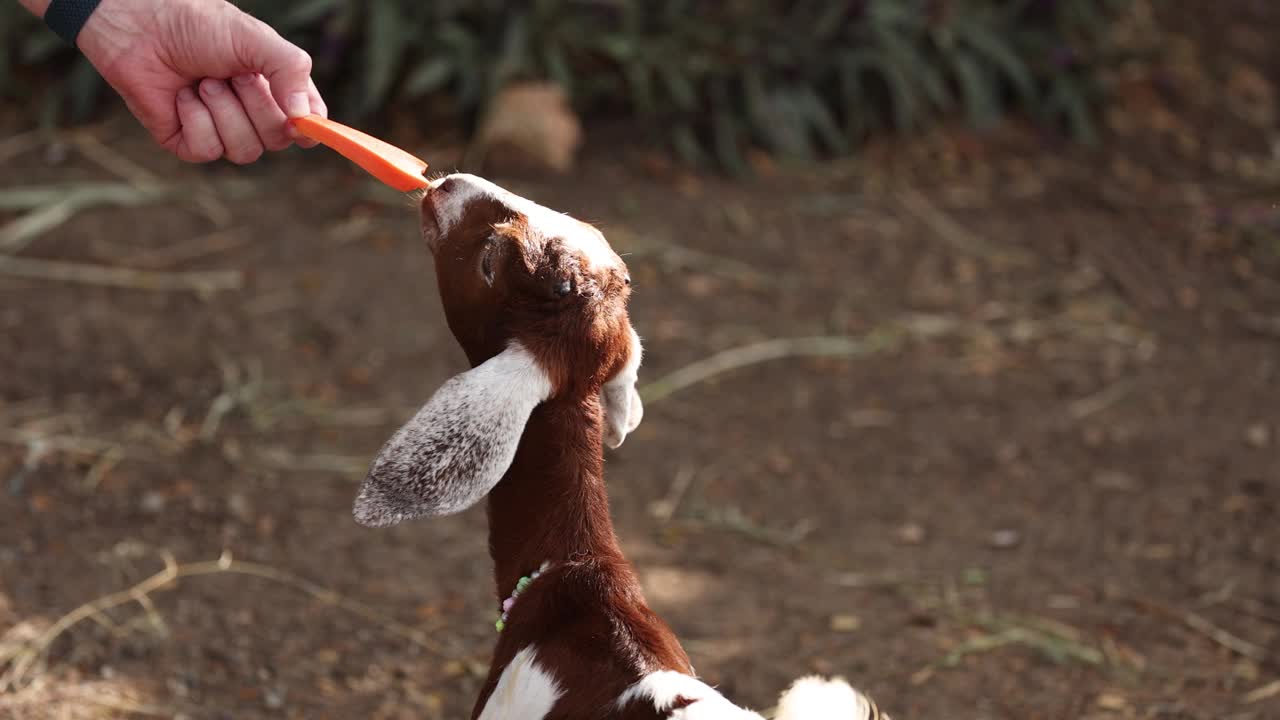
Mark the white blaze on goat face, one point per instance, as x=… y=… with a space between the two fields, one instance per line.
x=463 y=189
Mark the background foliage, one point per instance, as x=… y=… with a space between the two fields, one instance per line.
x=796 y=78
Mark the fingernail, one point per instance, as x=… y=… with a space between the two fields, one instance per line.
x=212 y=87
x=243 y=80
x=186 y=94
x=298 y=105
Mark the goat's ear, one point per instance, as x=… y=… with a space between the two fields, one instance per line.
x=458 y=446
x=620 y=399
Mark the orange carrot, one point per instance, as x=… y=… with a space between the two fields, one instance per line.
x=385 y=161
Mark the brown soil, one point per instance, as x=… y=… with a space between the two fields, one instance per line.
x=1048 y=490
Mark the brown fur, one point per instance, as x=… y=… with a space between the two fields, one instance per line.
x=587 y=616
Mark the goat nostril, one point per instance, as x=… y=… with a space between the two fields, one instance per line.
x=564 y=288
x=627 y=279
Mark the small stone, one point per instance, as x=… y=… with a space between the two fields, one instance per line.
x=1114 y=480
x=909 y=533
x=1258 y=435
x=845 y=623
x=152 y=502
x=273 y=699
x=1005 y=539
x=1111 y=701
x=238 y=505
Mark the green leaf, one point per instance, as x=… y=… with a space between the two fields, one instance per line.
x=385 y=41
x=639 y=80
x=302 y=14
x=815 y=110
x=1000 y=53
x=428 y=77
x=685 y=142
x=557 y=67
x=727 y=134
x=83 y=89
x=41 y=47
x=679 y=86
x=978 y=89
x=1068 y=98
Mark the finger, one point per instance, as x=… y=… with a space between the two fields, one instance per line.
x=264 y=113
x=198 y=142
x=240 y=143
x=286 y=66
x=318 y=107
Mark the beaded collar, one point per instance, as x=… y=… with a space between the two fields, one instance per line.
x=521 y=584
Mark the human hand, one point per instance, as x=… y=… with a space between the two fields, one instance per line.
x=206 y=79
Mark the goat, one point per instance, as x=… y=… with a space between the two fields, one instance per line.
x=537 y=300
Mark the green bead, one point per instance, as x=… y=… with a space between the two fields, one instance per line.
x=523 y=583
x=499 y=625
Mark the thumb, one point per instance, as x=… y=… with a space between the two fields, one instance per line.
x=286 y=66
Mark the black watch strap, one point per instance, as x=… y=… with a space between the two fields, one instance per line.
x=67 y=17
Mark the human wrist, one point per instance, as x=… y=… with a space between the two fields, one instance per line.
x=112 y=28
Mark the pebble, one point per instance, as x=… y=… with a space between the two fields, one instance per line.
x=1258 y=435
x=1006 y=538
x=910 y=533
x=238 y=505
x=153 y=502
x=273 y=698
x=1114 y=480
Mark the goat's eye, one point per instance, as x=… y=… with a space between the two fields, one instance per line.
x=486 y=268
x=564 y=287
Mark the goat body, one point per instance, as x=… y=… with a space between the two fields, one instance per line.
x=537 y=300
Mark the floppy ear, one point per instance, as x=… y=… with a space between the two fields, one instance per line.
x=459 y=444
x=622 y=407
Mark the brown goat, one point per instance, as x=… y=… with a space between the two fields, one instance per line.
x=538 y=302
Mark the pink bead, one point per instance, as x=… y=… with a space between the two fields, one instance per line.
x=506 y=604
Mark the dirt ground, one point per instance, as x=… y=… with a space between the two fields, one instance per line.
x=1043 y=484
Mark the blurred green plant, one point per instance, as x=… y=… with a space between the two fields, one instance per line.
x=796 y=78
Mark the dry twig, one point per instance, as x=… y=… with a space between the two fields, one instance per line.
x=952 y=232
x=193 y=249
x=56 y=205
x=761 y=352
x=116 y=163
x=1202 y=625
x=23 y=660
x=86 y=274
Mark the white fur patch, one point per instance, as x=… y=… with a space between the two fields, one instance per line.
x=662 y=689
x=525 y=691
x=458 y=446
x=622 y=407
x=813 y=698
x=581 y=237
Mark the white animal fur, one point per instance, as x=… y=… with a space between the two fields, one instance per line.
x=809 y=698
x=661 y=689
x=622 y=407
x=458 y=446
x=588 y=241
x=813 y=698
x=525 y=691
